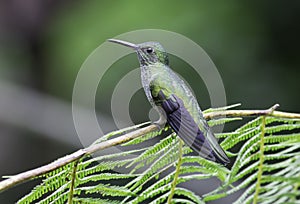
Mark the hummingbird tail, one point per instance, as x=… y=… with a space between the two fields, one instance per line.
x=217 y=150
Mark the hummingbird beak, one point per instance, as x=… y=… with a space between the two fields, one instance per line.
x=121 y=42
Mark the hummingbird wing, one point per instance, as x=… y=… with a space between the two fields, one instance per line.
x=181 y=121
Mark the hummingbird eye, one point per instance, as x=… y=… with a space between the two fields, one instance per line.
x=149 y=50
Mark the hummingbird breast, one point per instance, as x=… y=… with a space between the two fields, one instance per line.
x=146 y=77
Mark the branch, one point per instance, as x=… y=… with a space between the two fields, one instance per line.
x=249 y=113
x=22 y=177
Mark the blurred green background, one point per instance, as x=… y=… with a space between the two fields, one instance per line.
x=254 y=45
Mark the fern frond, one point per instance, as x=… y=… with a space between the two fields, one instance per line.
x=106 y=190
x=155 y=189
x=221 y=121
x=103 y=166
x=214 y=168
x=53 y=182
x=119 y=132
x=104 y=177
x=222 y=108
x=279 y=169
x=95 y=201
x=153 y=152
x=169 y=156
x=188 y=194
x=147 y=136
x=266 y=167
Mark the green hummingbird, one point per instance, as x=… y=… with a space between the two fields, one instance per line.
x=174 y=101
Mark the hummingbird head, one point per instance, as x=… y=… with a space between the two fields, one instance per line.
x=148 y=53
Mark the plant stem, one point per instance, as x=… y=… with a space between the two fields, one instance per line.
x=71 y=193
x=261 y=160
x=174 y=183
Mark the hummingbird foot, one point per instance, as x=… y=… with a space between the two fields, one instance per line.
x=160 y=123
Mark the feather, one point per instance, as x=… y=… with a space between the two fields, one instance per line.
x=188 y=130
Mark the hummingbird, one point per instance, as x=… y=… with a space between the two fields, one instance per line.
x=174 y=101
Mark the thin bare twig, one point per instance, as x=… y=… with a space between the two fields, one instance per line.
x=250 y=113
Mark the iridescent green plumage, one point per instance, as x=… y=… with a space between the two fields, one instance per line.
x=175 y=101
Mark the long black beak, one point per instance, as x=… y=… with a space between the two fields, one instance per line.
x=121 y=42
